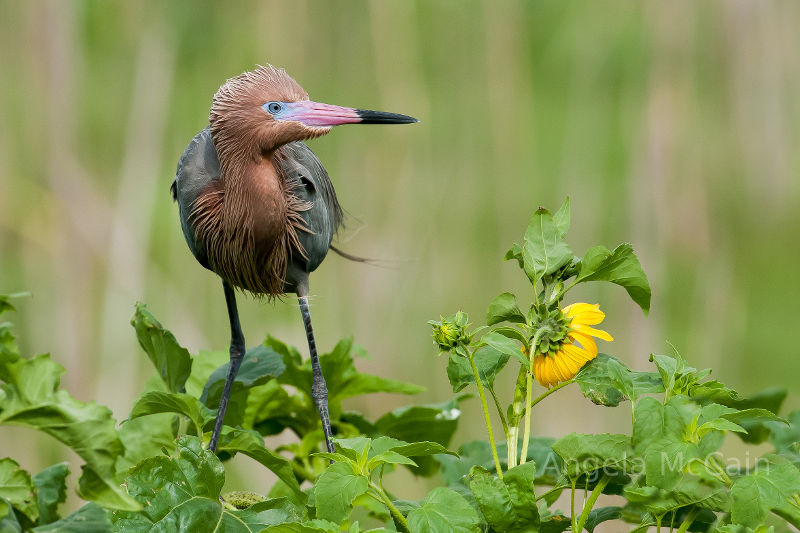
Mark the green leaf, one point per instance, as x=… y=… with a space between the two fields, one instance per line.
x=8 y=519
x=17 y=488
x=5 y=305
x=145 y=437
x=335 y=491
x=252 y=445
x=361 y=384
x=508 y=504
x=544 y=251
x=312 y=526
x=51 y=490
x=583 y=454
x=259 y=365
x=488 y=361
x=561 y=218
x=621 y=267
x=493 y=499
x=91 y=518
x=602 y=514
x=30 y=398
x=515 y=252
x=690 y=491
x=172 y=361
x=605 y=380
x=422 y=423
x=155 y=402
x=783 y=437
x=444 y=511
x=766 y=488
x=759 y=428
x=504 y=345
x=179 y=493
x=504 y=309
x=268 y=513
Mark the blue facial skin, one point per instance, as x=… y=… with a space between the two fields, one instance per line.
x=279 y=110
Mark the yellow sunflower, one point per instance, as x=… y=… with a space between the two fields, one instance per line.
x=563 y=363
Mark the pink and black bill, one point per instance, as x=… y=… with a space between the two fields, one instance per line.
x=321 y=115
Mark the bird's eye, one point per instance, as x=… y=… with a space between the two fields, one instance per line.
x=274 y=107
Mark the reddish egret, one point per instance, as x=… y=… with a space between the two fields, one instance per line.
x=256 y=205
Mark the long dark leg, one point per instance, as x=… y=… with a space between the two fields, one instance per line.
x=319 y=391
x=236 y=353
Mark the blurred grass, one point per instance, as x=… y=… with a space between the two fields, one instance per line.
x=670 y=125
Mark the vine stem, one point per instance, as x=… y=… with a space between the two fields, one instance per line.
x=572 y=504
x=689 y=519
x=399 y=519
x=548 y=392
x=523 y=454
x=587 y=507
x=485 y=414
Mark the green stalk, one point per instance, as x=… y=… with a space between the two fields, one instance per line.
x=689 y=519
x=572 y=504
x=527 y=431
x=499 y=412
x=485 y=414
x=548 y=392
x=399 y=519
x=587 y=507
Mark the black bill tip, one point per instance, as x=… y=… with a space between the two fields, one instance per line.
x=382 y=117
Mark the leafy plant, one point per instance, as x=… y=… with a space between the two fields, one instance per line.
x=153 y=472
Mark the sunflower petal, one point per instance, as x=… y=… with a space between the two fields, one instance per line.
x=587 y=330
x=586 y=341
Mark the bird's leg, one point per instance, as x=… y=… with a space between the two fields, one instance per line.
x=319 y=391
x=236 y=354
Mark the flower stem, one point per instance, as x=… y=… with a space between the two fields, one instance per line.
x=399 y=519
x=572 y=504
x=527 y=430
x=499 y=412
x=548 y=392
x=689 y=519
x=587 y=507
x=485 y=414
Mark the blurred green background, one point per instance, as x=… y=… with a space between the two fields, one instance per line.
x=672 y=125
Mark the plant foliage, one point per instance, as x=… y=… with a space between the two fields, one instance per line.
x=153 y=471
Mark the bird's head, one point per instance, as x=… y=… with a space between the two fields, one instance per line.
x=261 y=110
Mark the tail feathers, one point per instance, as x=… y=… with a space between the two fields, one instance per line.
x=354 y=258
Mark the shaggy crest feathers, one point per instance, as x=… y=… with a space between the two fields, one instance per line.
x=231 y=213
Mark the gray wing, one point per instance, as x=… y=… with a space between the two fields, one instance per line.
x=199 y=165
x=312 y=184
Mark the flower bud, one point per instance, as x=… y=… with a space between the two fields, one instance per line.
x=450 y=332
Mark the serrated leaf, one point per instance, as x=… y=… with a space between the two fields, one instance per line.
x=690 y=491
x=260 y=364
x=504 y=309
x=606 y=381
x=30 y=398
x=621 y=267
x=421 y=423
x=179 y=493
x=783 y=437
x=768 y=487
x=91 y=518
x=172 y=361
x=51 y=490
x=543 y=250
x=504 y=345
x=155 y=402
x=17 y=488
x=583 y=454
x=444 y=511
x=488 y=361
x=252 y=445
x=312 y=526
x=335 y=490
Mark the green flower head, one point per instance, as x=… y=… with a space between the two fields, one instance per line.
x=451 y=332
